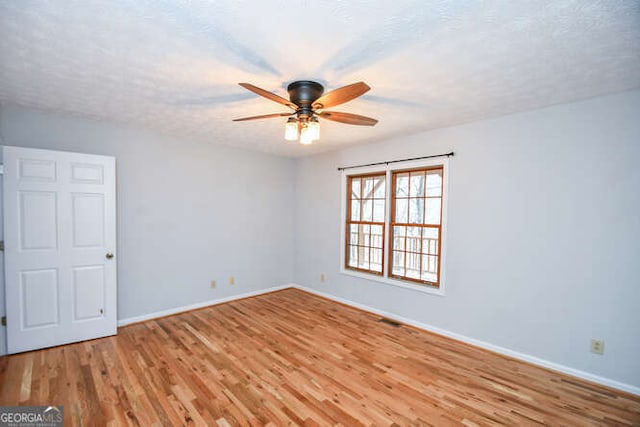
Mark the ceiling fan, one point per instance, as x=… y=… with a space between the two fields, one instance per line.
x=307 y=101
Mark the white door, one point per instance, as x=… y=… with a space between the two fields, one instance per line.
x=60 y=240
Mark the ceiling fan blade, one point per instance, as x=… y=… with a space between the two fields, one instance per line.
x=341 y=95
x=264 y=116
x=348 y=118
x=268 y=95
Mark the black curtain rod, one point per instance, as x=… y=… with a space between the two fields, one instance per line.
x=396 y=161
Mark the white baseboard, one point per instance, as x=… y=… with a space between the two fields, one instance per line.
x=488 y=346
x=176 y=310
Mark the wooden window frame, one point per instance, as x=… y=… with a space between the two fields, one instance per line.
x=386 y=278
x=349 y=222
x=423 y=225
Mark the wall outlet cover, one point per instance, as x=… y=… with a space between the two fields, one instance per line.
x=597 y=346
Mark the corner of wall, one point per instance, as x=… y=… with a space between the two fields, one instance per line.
x=3 y=330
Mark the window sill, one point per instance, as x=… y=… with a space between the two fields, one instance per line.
x=386 y=280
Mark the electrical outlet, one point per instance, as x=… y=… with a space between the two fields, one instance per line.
x=232 y=280
x=213 y=284
x=597 y=346
x=322 y=278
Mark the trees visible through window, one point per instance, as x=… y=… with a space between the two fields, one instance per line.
x=394 y=224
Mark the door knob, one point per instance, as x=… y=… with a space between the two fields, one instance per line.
x=109 y=255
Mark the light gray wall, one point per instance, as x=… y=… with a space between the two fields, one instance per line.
x=188 y=212
x=543 y=236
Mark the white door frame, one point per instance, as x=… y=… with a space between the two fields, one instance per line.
x=3 y=312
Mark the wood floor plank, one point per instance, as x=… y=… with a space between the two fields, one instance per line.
x=292 y=358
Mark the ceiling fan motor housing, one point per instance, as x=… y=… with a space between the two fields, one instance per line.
x=303 y=93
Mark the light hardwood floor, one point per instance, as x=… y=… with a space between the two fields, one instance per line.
x=293 y=358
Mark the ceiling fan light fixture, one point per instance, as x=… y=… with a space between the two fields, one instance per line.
x=291 y=129
x=306 y=135
x=314 y=128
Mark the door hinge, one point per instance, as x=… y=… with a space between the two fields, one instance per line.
x=1 y=169
x=4 y=320
x=1 y=245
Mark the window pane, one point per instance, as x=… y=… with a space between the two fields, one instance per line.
x=353 y=237
x=363 y=234
x=355 y=210
x=398 y=238
x=413 y=239
x=398 y=263
x=353 y=232
x=416 y=211
x=376 y=260
x=413 y=265
x=359 y=234
x=378 y=210
x=433 y=211
x=367 y=210
x=379 y=191
x=402 y=185
x=376 y=236
x=430 y=233
x=434 y=183
x=401 y=210
x=429 y=264
x=430 y=241
x=355 y=188
x=429 y=268
x=368 y=188
x=363 y=258
x=353 y=256
x=416 y=187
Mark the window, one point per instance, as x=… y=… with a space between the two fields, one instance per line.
x=394 y=224
x=365 y=222
x=415 y=225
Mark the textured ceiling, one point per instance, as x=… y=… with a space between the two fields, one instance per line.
x=173 y=66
